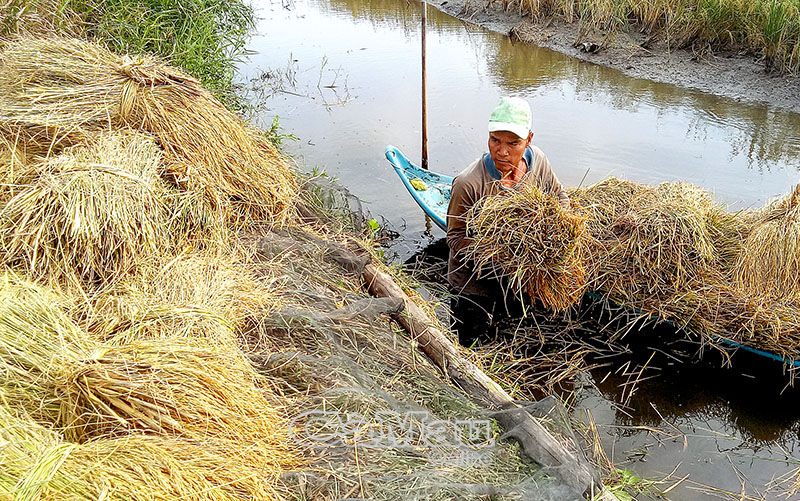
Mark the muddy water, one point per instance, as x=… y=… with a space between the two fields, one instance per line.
x=343 y=76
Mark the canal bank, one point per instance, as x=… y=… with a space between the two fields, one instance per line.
x=735 y=75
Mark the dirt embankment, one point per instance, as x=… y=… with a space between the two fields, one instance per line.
x=736 y=76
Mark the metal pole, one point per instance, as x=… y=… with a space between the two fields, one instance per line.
x=424 y=90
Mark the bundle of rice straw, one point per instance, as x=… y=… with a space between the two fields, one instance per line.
x=95 y=210
x=721 y=309
x=30 y=453
x=62 y=90
x=36 y=338
x=606 y=201
x=205 y=294
x=769 y=263
x=533 y=241
x=119 y=320
x=38 y=464
x=169 y=387
x=648 y=242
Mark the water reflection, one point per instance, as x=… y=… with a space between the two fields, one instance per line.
x=748 y=399
x=764 y=138
x=396 y=13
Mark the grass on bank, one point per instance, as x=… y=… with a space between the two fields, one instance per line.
x=203 y=37
x=770 y=28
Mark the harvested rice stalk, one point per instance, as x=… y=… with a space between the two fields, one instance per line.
x=178 y=388
x=19 y=17
x=143 y=467
x=533 y=241
x=95 y=211
x=67 y=89
x=11 y=158
x=197 y=294
x=648 y=242
x=35 y=337
x=36 y=463
x=769 y=263
x=605 y=201
x=15 y=168
x=30 y=454
x=170 y=387
x=120 y=320
x=720 y=309
x=55 y=86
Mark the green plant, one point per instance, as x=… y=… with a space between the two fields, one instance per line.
x=204 y=37
x=277 y=137
x=374 y=227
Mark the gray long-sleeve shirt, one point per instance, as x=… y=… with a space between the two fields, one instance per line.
x=479 y=180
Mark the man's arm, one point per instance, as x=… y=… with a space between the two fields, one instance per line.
x=461 y=200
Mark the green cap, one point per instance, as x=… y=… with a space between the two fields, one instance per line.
x=512 y=114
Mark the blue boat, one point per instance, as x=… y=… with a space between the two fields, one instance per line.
x=432 y=192
x=429 y=189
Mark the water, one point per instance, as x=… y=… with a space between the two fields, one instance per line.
x=344 y=77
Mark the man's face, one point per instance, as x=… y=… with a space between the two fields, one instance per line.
x=507 y=148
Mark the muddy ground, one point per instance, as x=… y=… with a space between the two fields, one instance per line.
x=737 y=76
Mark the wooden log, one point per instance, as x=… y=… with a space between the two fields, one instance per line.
x=536 y=441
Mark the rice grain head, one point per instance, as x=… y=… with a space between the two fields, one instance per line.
x=93 y=211
x=65 y=90
x=769 y=263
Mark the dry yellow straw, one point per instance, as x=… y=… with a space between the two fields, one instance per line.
x=59 y=91
x=36 y=338
x=533 y=241
x=94 y=210
x=205 y=294
x=170 y=387
x=648 y=241
x=769 y=263
x=37 y=463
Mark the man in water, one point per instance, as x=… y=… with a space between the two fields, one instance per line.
x=511 y=162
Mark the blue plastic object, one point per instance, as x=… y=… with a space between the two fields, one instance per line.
x=432 y=200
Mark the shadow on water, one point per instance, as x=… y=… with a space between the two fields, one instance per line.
x=681 y=380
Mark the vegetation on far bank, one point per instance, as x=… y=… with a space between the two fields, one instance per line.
x=770 y=28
